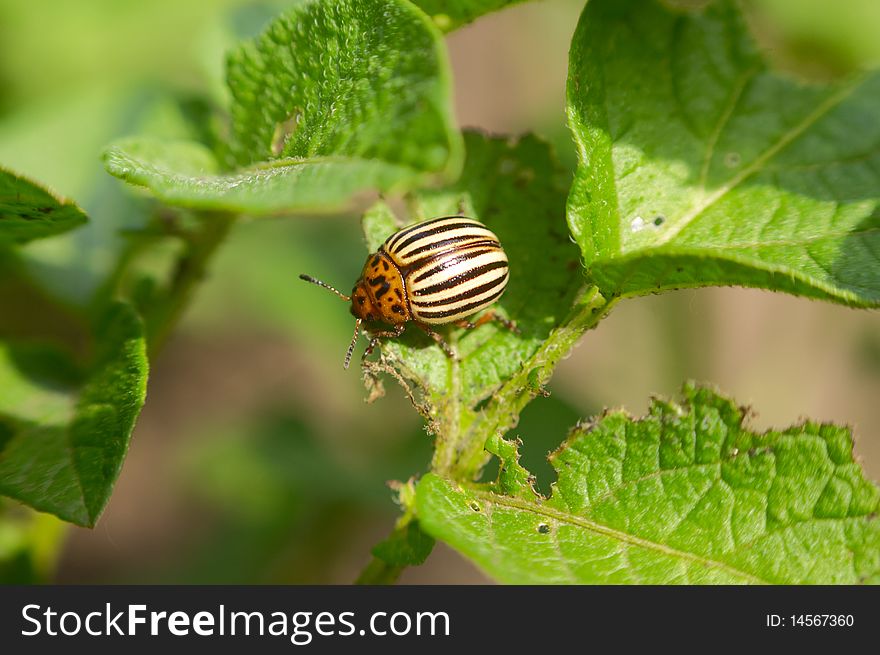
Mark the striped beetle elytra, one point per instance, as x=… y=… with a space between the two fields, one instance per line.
x=435 y=272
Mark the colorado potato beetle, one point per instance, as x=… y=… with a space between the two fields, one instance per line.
x=434 y=272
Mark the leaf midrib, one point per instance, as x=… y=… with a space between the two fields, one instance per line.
x=604 y=530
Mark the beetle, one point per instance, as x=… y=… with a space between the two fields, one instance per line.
x=434 y=272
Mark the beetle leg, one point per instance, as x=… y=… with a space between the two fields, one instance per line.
x=491 y=315
x=439 y=339
x=382 y=334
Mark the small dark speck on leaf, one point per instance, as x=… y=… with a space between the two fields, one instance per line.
x=543 y=528
x=474 y=505
x=659 y=220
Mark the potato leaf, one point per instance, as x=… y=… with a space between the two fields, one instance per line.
x=687 y=494
x=699 y=165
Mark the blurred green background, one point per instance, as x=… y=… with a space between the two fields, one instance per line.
x=256 y=458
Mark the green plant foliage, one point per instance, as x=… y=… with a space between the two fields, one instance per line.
x=186 y=173
x=64 y=433
x=686 y=494
x=29 y=544
x=406 y=546
x=698 y=164
x=334 y=98
x=28 y=211
x=518 y=190
x=452 y=14
x=701 y=166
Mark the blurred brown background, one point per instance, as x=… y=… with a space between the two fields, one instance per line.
x=256 y=459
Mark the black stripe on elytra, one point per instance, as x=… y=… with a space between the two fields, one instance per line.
x=455 y=280
x=446 y=263
x=407 y=230
x=462 y=310
x=466 y=295
x=432 y=231
x=434 y=245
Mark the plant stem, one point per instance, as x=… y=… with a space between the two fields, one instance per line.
x=460 y=450
x=190 y=270
x=379 y=572
x=503 y=412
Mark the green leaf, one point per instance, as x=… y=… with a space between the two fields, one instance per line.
x=701 y=166
x=452 y=14
x=186 y=173
x=367 y=79
x=518 y=190
x=28 y=211
x=63 y=436
x=334 y=99
x=686 y=494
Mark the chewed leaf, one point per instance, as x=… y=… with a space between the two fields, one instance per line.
x=63 y=438
x=686 y=494
x=28 y=211
x=699 y=165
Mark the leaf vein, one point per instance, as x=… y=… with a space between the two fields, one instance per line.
x=706 y=201
x=604 y=530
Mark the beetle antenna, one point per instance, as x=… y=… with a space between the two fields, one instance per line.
x=313 y=280
x=357 y=328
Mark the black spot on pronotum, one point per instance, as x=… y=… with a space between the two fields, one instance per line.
x=385 y=289
x=384 y=265
x=397 y=309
